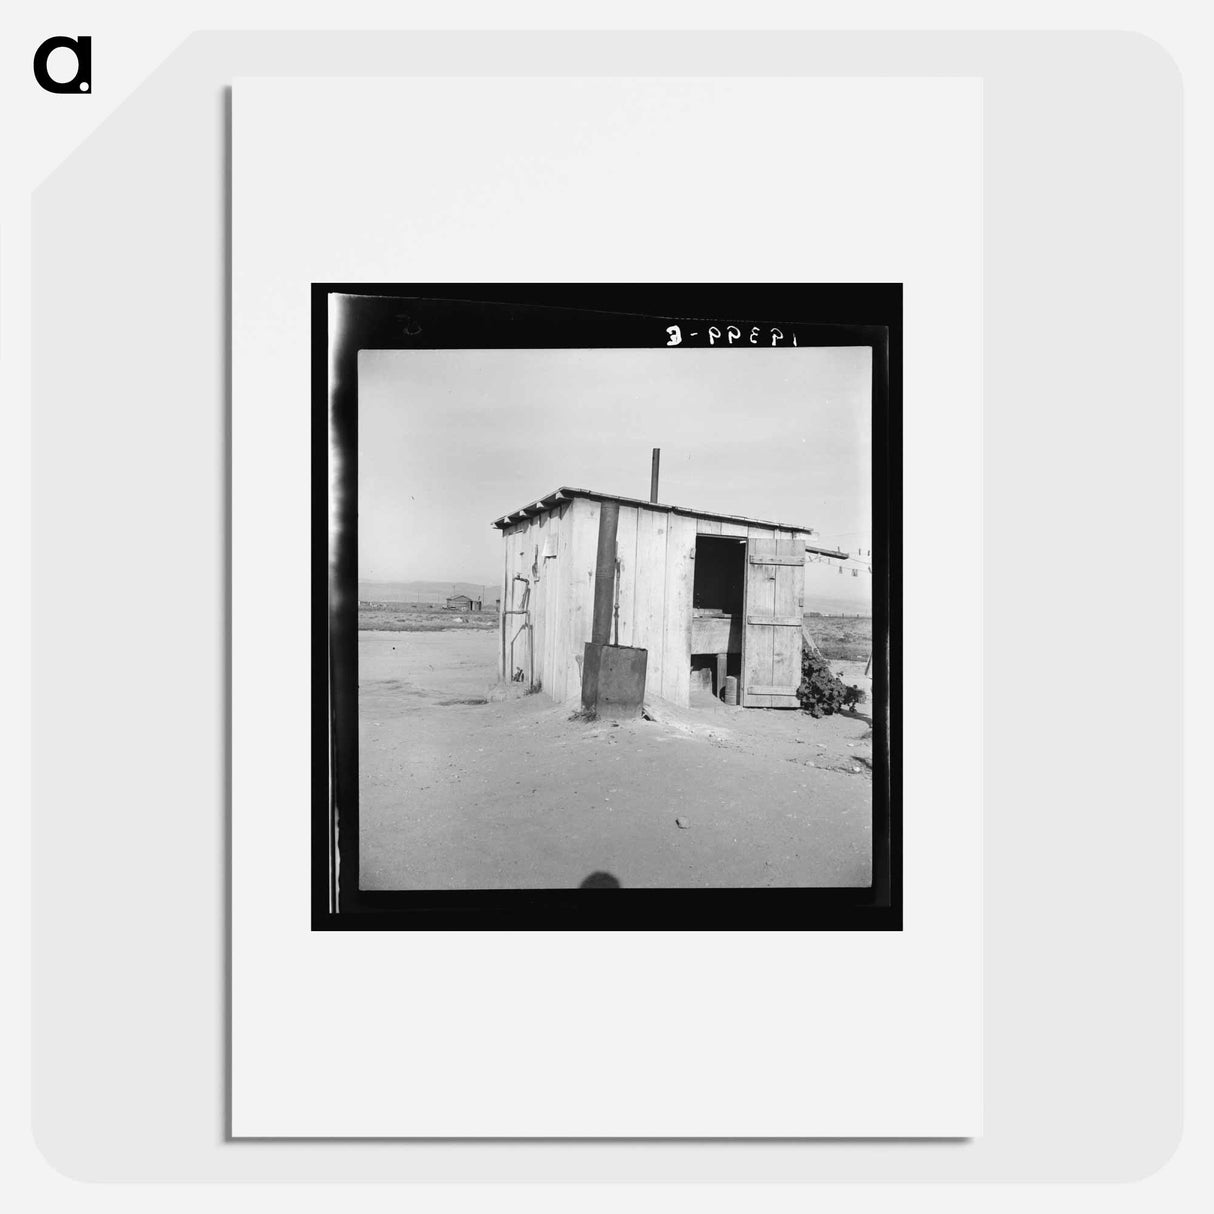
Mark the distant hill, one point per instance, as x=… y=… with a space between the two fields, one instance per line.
x=424 y=592
x=827 y=605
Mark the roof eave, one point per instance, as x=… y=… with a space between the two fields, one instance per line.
x=565 y=492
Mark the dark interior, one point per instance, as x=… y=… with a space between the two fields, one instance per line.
x=708 y=661
x=720 y=574
x=717 y=597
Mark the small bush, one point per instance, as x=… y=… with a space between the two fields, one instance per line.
x=822 y=693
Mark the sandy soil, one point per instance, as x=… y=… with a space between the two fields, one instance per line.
x=462 y=786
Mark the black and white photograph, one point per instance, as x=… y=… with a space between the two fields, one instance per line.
x=620 y=611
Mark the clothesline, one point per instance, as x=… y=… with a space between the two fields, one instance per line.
x=856 y=569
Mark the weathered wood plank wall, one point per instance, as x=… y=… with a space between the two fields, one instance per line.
x=578 y=586
x=789 y=593
x=760 y=601
x=676 y=635
x=550 y=583
x=626 y=588
x=555 y=683
x=650 y=618
x=656 y=552
x=544 y=595
x=526 y=544
x=515 y=542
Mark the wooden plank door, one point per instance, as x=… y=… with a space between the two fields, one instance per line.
x=771 y=636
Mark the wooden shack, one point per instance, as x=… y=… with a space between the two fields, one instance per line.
x=696 y=589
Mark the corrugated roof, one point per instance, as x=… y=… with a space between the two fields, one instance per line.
x=564 y=493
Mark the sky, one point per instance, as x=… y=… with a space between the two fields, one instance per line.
x=449 y=440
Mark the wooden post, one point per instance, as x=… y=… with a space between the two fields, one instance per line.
x=604 y=574
x=722 y=665
x=653 y=474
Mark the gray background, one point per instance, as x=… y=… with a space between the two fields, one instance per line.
x=1082 y=495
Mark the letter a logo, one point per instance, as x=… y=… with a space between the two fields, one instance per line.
x=82 y=81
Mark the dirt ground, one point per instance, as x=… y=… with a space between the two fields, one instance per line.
x=842 y=636
x=467 y=785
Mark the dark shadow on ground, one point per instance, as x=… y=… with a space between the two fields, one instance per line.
x=600 y=881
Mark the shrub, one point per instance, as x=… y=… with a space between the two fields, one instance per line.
x=822 y=692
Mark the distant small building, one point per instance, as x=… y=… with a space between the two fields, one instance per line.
x=461 y=602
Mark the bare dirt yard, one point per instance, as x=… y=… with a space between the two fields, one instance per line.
x=465 y=784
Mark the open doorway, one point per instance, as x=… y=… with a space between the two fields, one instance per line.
x=717 y=600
